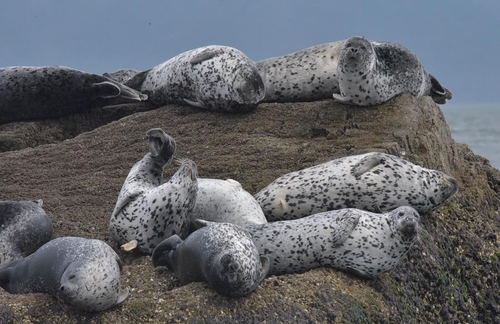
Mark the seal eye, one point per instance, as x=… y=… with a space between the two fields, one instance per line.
x=401 y=214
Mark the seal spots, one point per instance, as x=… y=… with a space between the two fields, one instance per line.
x=372 y=181
x=81 y=272
x=371 y=73
x=217 y=78
x=24 y=227
x=306 y=75
x=221 y=254
x=54 y=91
x=360 y=242
x=148 y=212
x=225 y=201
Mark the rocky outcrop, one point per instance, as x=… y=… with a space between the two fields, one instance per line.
x=452 y=273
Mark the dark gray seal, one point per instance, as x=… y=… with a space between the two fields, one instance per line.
x=225 y=201
x=370 y=73
x=24 y=227
x=360 y=242
x=371 y=181
x=217 y=78
x=147 y=211
x=81 y=272
x=219 y=253
x=54 y=91
x=306 y=75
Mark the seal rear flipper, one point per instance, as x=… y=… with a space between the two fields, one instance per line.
x=161 y=144
x=161 y=253
x=111 y=89
x=204 y=55
x=366 y=164
x=439 y=93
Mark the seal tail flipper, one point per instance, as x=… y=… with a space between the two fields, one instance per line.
x=439 y=93
x=137 y=80
x=160 y=256
x=366 y=163
x=161 y=144
x=111 y=89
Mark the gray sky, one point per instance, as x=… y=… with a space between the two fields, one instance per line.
x=457 y=41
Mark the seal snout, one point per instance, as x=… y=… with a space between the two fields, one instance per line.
x=451 y=185
x=251 y=87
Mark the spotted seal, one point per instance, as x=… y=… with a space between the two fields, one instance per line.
x=225 y=201
x=371 y=73
x=28 y=92
x=147 y=212
x=372 y=181
x=217 y=78
x=306 y=75
x=360 y=242
x=121 y=76
x=24 y=227
x=82 y=272
x=221 y=254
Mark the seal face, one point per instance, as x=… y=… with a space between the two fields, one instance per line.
x=81 y=272
x=55 y=91
x=225 y=201
x=370 y=73
x=217 y=78
x=221 y=254
x=24 y=227
x=372 y=181
x=306 y=75
x=361 y=242
x=147 y=212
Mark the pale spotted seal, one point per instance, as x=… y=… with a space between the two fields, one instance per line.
x=217 y=78
x=372 y=181
x=24 y=227
x=225 y=201
x=147 y=212
x=221 y=254
x=360 y=242
x=28 y=92
x=82 y=272
x=306 y=75
x=370 y=73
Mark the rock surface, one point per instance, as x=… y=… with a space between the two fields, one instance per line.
x=452 y=274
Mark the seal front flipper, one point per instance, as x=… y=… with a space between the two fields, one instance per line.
x=204 y=55
x=194 y=103
x=345 y=222
x=366 y=164
x=161 y=144
x=111 y=89
x=339 y=98
x=122 y=296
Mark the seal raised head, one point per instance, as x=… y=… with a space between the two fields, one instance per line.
x=24 y=227
x=217 y=78
x=221 y=254
x=370 y=73
x=225 y=201
x=371 y=181
x=360 y=242
x=28 y=92
x=306 y=75
x=147 y=212
x=82 y=272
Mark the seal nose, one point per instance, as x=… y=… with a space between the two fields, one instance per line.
x=451 y=184
x=251 y=88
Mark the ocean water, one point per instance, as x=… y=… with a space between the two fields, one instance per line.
x=478 y=127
